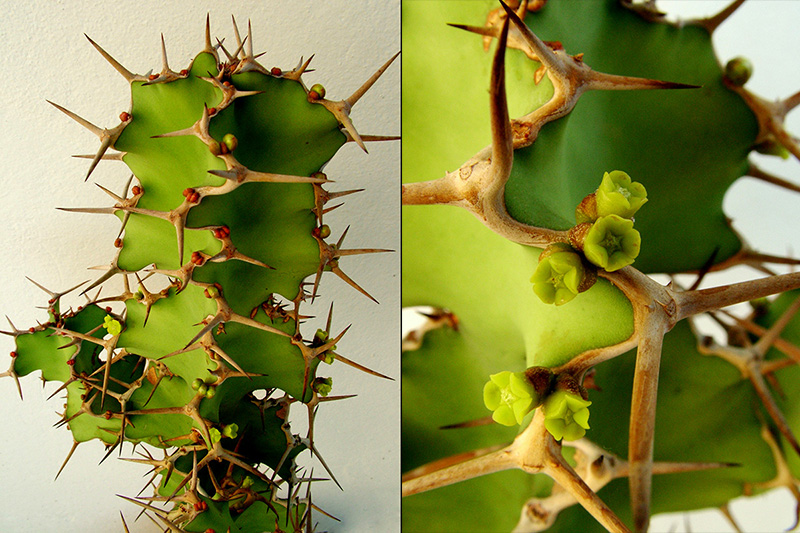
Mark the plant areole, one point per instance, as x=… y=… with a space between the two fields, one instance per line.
x=680 y=420
x=222 y=243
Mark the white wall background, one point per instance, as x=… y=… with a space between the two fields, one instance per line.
x=47 y=57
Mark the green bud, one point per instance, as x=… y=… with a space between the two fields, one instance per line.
x=510 y=396
x=321 y=336
x=112 y=326
x=215 y=435
x=197 y=383
x=202 y=389
x=772 y=147
x=214 y=148
x=230 y=141
x=566 y=415
x=618 y=195
x=322 y=386
x=247 y=482
x=328 y=357
x=738 y=71
x=760 y=306
x=210 y=391
x=230 y=431
x=612 y=243
x=560 y=275
x=324 y=231
x=318 y=90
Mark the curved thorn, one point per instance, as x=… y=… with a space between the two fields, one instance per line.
x=543 y=52
x=502 y=138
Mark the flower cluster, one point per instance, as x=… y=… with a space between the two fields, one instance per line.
x=512 y=395
x=605 y=231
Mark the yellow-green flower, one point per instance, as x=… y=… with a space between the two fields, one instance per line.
x=566 y=415
x=112 y=326
x=510 y=396
x=619 y=195
x=558 y=277
x=612 y=243
x=323 y=386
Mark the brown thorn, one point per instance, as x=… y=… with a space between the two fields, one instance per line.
x=330 y=319
x=372 y=138
x=361 y=367
x=757 y=379
x=360 y=251
x=228 y=359
x=89 y=210
x=236 y=34
x=755 y=172
x=83 y=122
x=502 y=138
x=128 y=75
x=485 y=421
x=209 y=48
x=353 y=98
x=344 y=277
x=768 y=339
x=712 y=23
x=116 y=156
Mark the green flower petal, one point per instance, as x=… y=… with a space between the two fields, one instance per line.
x=556 y=427
x=521 y=408
x=505 y=416
x=491 y=395
x=573 y=432
x=581 y=418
